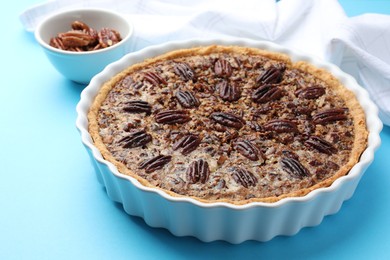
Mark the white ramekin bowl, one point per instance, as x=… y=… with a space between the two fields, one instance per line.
x=223 y=221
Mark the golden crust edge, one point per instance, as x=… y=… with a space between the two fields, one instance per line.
x=356 y=111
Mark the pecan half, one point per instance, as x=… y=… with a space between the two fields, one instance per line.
x=222 y=68
x=266 y=93
x=198 y=171
x=76 y=39
x=329 y=116
x=244 y=177
x=184 y=71
x=155 y=163
x=108 y=37
x=271 y=75
x=138 y=106
x=78 y=25
x=228 y=119
x=187 y=99
x=229 y=91
x=136 y=139
x=310 y=92
x=56 y=42
x=153 y=78
x=188 y=143
x=320 y=145
x=171 y=117
x=248 y=149
x=293 y=167
x=281 y=126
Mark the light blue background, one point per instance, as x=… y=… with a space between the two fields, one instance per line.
x=52 y=207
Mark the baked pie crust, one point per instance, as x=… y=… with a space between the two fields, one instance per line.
x=228 y=123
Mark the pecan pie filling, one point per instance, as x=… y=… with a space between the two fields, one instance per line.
x=228 y=124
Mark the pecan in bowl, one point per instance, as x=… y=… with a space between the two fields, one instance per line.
x=81 y=38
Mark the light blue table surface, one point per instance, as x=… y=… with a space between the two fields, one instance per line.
x=52 y=207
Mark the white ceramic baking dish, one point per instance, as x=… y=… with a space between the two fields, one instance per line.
x=222 y=221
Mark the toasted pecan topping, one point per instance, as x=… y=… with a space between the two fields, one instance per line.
x=226 y=126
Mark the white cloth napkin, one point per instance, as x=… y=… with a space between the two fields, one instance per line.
x=359 y=45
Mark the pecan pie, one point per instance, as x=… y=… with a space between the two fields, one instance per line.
x=228 y=123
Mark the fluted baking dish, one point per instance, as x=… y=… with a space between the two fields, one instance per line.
x=185 y=216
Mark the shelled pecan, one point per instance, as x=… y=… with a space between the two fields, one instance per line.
x=84 y=38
